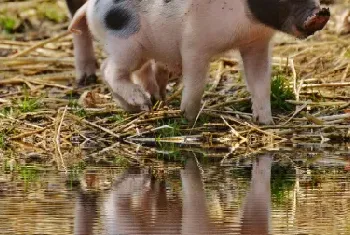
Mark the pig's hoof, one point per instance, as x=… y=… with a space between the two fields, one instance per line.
x=134 y=100
x=190 y=115
x=267 y=120
x=155 y=97
x=138 y=97
x=87 y=80
x=86 y=72
x=154 y=100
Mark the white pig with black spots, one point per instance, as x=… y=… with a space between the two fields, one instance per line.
x=184 y=35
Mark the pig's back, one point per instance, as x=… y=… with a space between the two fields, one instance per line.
x=113 y=16
x=155 y=23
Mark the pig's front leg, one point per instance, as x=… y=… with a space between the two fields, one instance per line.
x=85 y=61
x=194 y=71
x=116 y=74
x=257 y=66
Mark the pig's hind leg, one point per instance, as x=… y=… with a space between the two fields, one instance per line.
x=162 y=75
x=257 y=67
x=146 y=78
x=153 y=77
x=85 y=60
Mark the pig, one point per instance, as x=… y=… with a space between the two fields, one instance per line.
x=184 y=35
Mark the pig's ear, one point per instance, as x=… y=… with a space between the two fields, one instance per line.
x=75 y=25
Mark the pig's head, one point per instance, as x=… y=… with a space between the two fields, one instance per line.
x=300 y=18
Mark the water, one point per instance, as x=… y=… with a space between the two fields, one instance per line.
x=269 y=193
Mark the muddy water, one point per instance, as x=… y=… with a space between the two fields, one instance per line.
x=264 y=194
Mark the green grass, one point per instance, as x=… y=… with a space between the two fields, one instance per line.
x=171 y=152
x=172 y=130
x=2 y=140
x=282 y=182
x=29 y=174
x=27 y=104
x=280 y=92
x=74 y=174
x=120 y=161
x=176 y=103
x=347 y=54
x=8 y=23
x=117 y=117
x=52 y=11
x=77 y=109
x=6 y=111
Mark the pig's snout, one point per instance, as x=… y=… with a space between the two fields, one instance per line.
x=317 y=21
x=313 y=22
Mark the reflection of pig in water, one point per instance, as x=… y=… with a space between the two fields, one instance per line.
x=185 y=34
x=140 y=204
x=257 y=206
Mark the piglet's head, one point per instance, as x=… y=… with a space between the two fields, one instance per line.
x=300 y=18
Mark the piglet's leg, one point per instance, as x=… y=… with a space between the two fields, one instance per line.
x=194 y=69
x=162 y=77
x=146 y=78
x=116 y=72
x=85 y=61
x=256 y=59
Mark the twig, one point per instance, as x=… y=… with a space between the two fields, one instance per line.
x=336 y=84
x=101 y=128
x=294 y=79
x=199 y=113
x=297 y=110
x=58 y=139
x=345 y=74
x=40 y=44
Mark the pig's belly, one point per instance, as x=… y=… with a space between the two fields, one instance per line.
x=169 y=56
x=161 y=40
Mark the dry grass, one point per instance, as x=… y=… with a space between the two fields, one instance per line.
x=41 y=113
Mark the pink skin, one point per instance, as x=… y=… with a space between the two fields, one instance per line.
x=256 y=59
x=186 y=43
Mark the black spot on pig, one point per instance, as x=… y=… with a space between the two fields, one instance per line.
x=117 y=19
x=118 y=1
x=122 y=21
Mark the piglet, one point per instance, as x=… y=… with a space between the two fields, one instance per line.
x=185 y=34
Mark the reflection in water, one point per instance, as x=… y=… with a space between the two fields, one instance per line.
x=262 y=195
x=256 y=215
x=86 y=213
x=140 y=204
